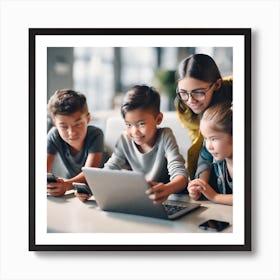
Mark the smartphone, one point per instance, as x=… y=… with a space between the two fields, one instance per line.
x=51 y=178
x=214 y=225
x=82 y=188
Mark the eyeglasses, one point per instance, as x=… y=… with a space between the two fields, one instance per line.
x=197 y=94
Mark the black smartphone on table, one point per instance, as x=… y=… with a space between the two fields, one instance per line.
x=214 y=225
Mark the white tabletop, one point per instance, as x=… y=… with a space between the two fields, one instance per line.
x=69 y=214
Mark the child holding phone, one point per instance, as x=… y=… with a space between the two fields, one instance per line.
x=77 y=143
x=216 y=128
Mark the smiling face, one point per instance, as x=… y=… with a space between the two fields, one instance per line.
x=218 y=143
x=141 y=127
x=189 y=84
x=72 y=128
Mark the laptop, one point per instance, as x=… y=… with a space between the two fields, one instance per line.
x=124 y=191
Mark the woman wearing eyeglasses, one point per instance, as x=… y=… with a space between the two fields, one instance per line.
x=200 y=85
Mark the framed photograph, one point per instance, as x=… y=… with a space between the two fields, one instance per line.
x=102 y=64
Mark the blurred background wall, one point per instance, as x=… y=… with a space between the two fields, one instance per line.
x=105 y=74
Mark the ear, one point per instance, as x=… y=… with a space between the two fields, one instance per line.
x=88 y=117
x=159 y=118
x=218 y=84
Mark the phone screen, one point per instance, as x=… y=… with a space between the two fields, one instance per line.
x=51 y=178
x=214 y=225
x=82 y=188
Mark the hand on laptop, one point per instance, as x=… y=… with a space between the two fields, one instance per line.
x=158 y=192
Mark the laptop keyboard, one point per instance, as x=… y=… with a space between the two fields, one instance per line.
x=173 y=208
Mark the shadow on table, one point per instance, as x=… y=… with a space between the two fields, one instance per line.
x=61 y=199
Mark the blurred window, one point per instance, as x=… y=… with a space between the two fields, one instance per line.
x=105 y=74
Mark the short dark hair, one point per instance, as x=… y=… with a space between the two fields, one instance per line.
x=66 y=102
x=141 y=97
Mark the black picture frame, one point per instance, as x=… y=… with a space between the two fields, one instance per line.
x=34 y=33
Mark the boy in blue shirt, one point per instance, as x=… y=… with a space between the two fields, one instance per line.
x=77 y=143
x=146 y=148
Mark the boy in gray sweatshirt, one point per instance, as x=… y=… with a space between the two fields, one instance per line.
x=146 y=148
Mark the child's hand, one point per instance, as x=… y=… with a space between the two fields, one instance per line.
x=195 y=188
x=158 y=192
x=208 y=192
x=82 y=196
x=58 y=188
x=199 y=185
